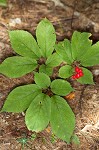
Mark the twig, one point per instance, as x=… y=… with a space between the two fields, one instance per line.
x=73 y=13
x=81 y=99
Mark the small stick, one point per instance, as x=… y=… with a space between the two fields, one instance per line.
x=81 y=99
x=73 y=13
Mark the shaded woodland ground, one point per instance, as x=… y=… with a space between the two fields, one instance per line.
x=66 y=16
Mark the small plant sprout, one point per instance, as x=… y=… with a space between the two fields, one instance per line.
x=43 y=101
x=33 y=136
x=53 y=138
x=24 y=141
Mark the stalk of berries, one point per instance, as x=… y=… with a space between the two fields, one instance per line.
x=78 y=73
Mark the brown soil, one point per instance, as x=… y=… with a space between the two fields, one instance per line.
x=66 y=16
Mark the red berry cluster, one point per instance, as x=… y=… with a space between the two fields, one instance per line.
x=78 y=73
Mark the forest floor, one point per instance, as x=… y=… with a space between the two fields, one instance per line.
x=66 y=16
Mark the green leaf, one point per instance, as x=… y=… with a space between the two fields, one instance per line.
x=38 y=113
x=46 y=37
x=46 y=69
x=24 y=44
x=42 y=80
x=91 y=61
x=3 y=3
x=20 y=98
x=64 y=51
x=61 y=87
x=17 y=66
x=75 y=139
x=65 y=71
x=80 y=43
x=62 y=118
x=91 y=57
x=87 y=78
x=53 y=60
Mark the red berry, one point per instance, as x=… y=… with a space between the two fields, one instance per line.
x=78 y=73
x=77 y=76
x=74 y=77
x=81 y=74
x=80 y=70
x=77 y=69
